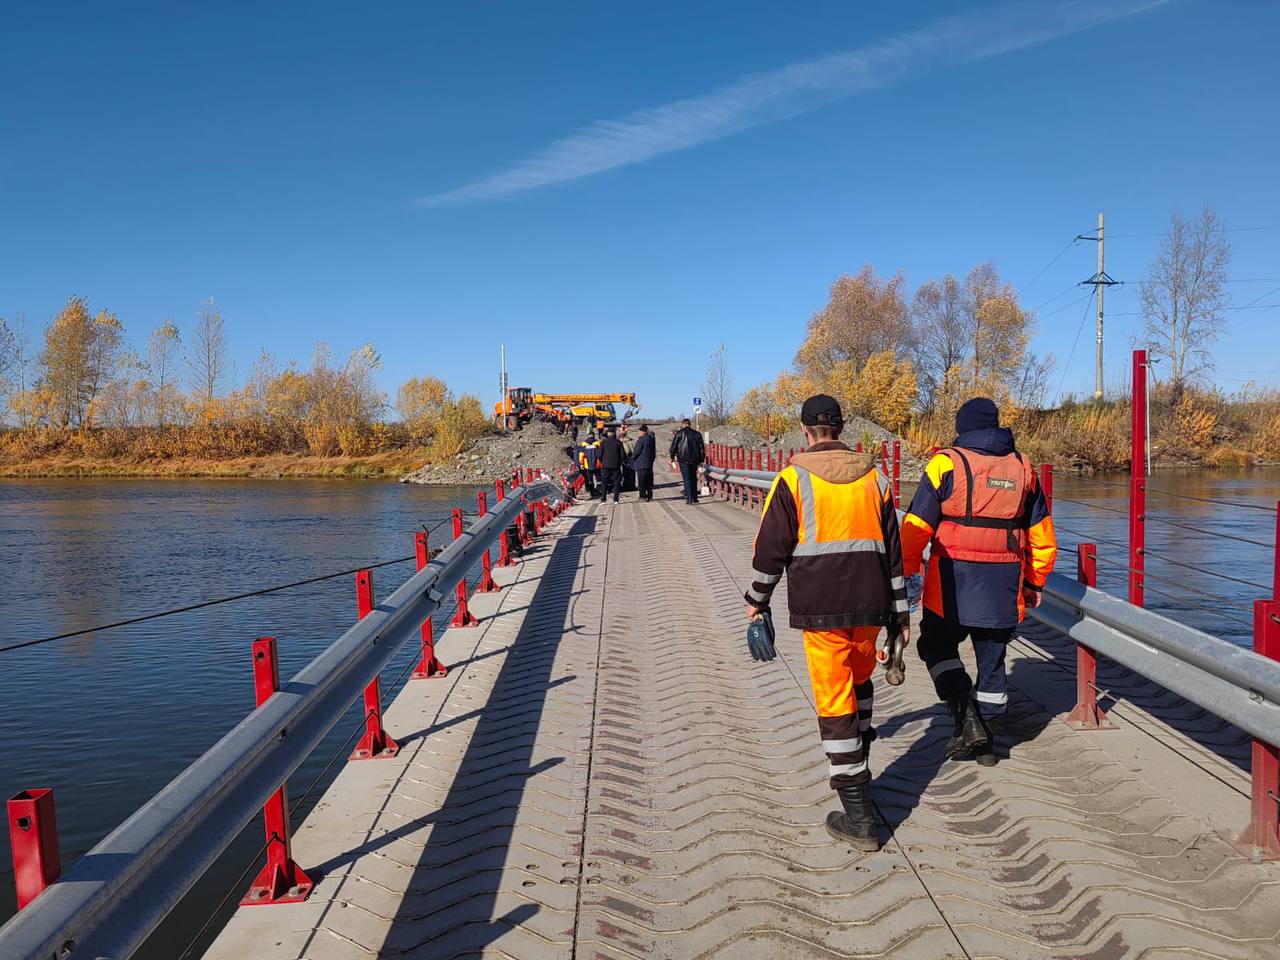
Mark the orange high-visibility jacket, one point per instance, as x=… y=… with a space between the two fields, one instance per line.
x=829 y=523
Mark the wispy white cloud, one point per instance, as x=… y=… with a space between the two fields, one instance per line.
x=798 y=88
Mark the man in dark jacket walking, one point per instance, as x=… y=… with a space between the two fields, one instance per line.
x=642 y=459
x=611 y=465
x=982 y=509
x=688 y=450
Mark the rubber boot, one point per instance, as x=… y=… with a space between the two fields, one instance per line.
x=856 y=826
x=971 y=731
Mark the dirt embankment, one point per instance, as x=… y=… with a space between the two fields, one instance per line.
x=379 y=466
x=492 y=457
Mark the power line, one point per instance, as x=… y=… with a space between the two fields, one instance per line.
x=1126 y=236
x=1055 y=259
x=1075 y=343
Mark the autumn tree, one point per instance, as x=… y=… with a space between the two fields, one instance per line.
x=80 y=356
x=8 y=365
x=421 y=402
x=163 y=347
x=717 y=388
x=208 y=364
x=1183 y=295
x=864 y=315
x=942 y=337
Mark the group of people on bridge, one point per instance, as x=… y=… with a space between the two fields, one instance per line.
x=605 y=464
x=979 y=526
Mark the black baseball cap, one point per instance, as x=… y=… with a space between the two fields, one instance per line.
x=821 y=410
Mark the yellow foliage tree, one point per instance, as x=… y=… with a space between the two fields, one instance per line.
x=421 y=402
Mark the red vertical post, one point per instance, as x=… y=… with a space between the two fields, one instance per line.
x=487 y=584
x=1263 y=832
x=528 y=474
x=1046 y=483
x=462 y=616
x=1275 y=564
x=1087 y=715
x=280 y=880
x=857 y=447
x=33 y=838
x=1138 y=483
x=374 y=744
x=897 y=473
x=884 y=458
x=504 y=547
x=428 y=666
x=790 y=455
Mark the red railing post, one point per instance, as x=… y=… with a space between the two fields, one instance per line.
x=280 y=880
x=790 y=455
x=1046 y=484
x=897 y=473
x=528 y=474
x=462 y=617
x=857 y=447
x=884 y=458
x=33 y=838
x=487 y=584
x=428 y=666
x=374 y=744
x=504 y=545
x=1138 y=483
x=1263 y=832
x=1087 y=715
x=1275 y=565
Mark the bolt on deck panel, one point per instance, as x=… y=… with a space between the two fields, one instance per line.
x=606 y=774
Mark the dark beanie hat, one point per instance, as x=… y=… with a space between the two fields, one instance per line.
x=977 y=414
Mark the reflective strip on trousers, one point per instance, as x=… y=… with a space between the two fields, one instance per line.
x=846 y=769
x=1000 y=698
x=938 y=669
x=842 y=746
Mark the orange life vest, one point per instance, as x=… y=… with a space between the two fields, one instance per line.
x=982 y=518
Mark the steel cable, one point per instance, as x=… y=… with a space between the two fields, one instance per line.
x=1210 y=573
x=1211 y=533
x=221 y=600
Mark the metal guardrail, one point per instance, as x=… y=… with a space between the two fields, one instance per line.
x=116 y=894
x=1238 y=685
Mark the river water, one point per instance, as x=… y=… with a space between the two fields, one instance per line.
x=109 y=717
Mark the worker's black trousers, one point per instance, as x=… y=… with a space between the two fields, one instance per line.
x=611 y=478
x=689 y=474
x=644 y=482
x=588 y=482
x=939 y=647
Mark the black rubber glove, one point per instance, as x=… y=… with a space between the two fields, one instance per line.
x=760 y=637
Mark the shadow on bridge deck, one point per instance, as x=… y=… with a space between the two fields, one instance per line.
x=605 y=774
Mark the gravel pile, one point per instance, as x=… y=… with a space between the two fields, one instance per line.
x=494 y=456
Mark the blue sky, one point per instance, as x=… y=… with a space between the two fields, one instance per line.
x=615 y=191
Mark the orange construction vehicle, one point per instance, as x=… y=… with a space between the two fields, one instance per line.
x=592 y=409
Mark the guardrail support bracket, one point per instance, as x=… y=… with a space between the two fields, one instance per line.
x=33 y=837
x=1262 y=836
x=280 y=880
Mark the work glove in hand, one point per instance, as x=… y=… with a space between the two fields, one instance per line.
x=760 y=637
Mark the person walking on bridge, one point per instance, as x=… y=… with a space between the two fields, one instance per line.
x=589 y=463
x=980 y=506
x=611 y=457
x=642 y=460
x=829 y=522
x=688 y=450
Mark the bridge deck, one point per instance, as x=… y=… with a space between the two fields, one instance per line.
x=605 y=773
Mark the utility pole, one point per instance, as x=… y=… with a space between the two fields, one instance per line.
x=1100 y=281
x=502 y=388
